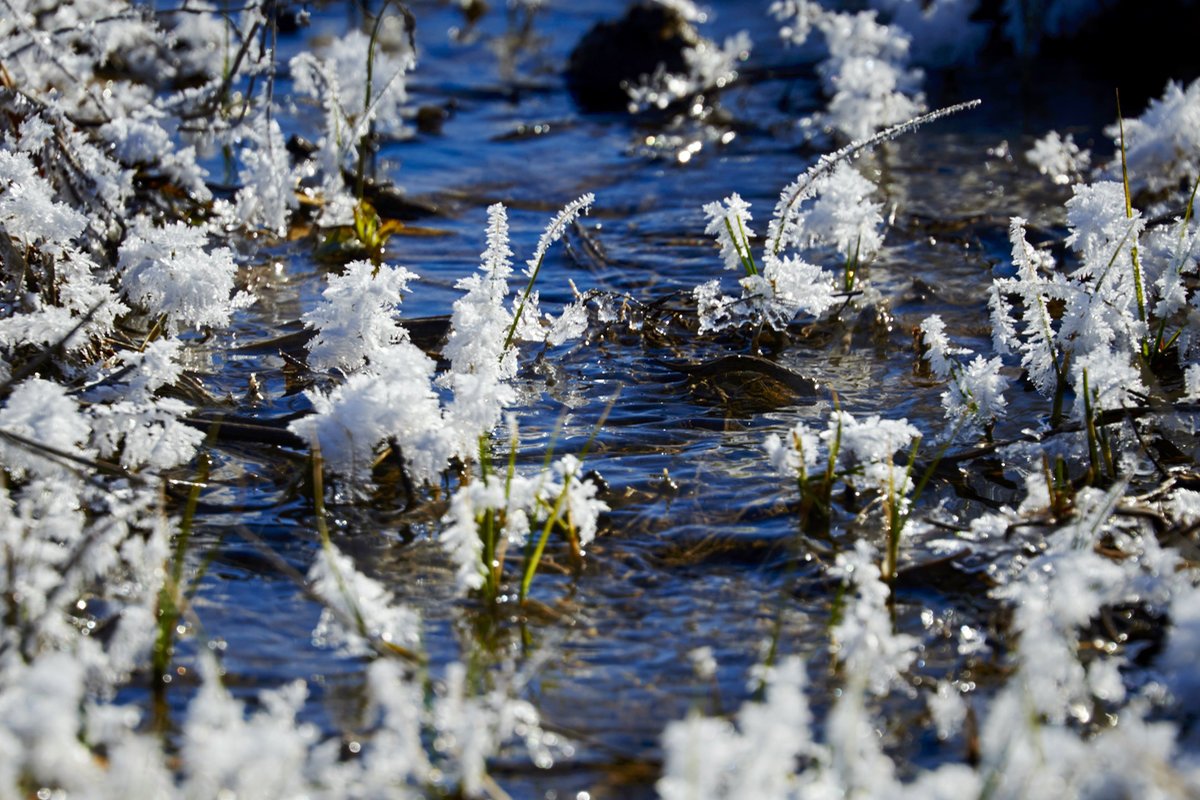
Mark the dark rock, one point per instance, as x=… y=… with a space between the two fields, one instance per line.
x=430 y=119
x=290 y=17
x=301 y=149
x=614 y=54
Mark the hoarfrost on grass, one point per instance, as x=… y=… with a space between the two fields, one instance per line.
x=168 y=271
x=356 y=321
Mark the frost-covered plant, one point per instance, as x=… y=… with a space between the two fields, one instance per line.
x=359 y=617
x=390 y=401
x=1055 y=697
x=361 y=87
x=1059 y=158
x=1162 y=146
x=788 y=285
x=784 y=284
x=711 y=757
x=503 y=511
x=974 y=395
x=867 y=648
x=167 y=271
x=775 y=750
x=267 y=196
x=528 y=322
x=355 y=323
x=481 y=366
x=143 y=430
x=866 y=75
x=389 y=395
x=1117 y=304
x=860 y=453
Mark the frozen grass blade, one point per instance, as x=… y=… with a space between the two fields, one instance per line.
x=410 y=24
x=553 y=233
x=801 y=189
x=535 y=556
x=1137 y=267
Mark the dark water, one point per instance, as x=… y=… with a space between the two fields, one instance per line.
x=711 y=556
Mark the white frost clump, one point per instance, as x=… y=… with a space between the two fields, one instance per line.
x=359 y=612
x=975 y=392
x=391 y=401
x=347 y=57
x=388 y=396
x=729 y=223
x=268 y=193
x=1162 y=146
x=796 y=457
x=1058 y=158
x=356 y=320
x=865 y=448
x=712 y=758
x=143 y=428
x=867 y=647
x=948 y=709
x=523 y=504
x=167 y=271
x=785 y=285
x=685 y=8
x=531 y=324
x=481 y=367
x=868 y=448
x=40 y=412
x=1036 y=284
x=866 y=74
x=140 y=141
x=842 y=215
x=28 y=210
x=338 y=82
x=226 y=753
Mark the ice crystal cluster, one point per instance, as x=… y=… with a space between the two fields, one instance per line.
x=841 y=217
x=114 y=239
x=866 y=74
x=709 y=65
x=390 y=391
x=1096 y=331
x=111 y=239
x=860 y=451
x=1059 y=157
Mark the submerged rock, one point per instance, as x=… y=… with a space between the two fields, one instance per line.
x=613 y=55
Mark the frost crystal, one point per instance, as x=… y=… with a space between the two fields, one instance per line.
x=359 y=613
x=480 y=365
x=867 y=74
x=1162 y=146
x=1059 y=158
x=356 y=321
x=167 y=271
x=975 y=393
x=866 y=645
x=556 y=497
x=41 y=413
x=392 y=401
x=730 y=224
x=268 y=193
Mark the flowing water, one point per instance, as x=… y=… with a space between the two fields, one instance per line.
x=701 y=548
